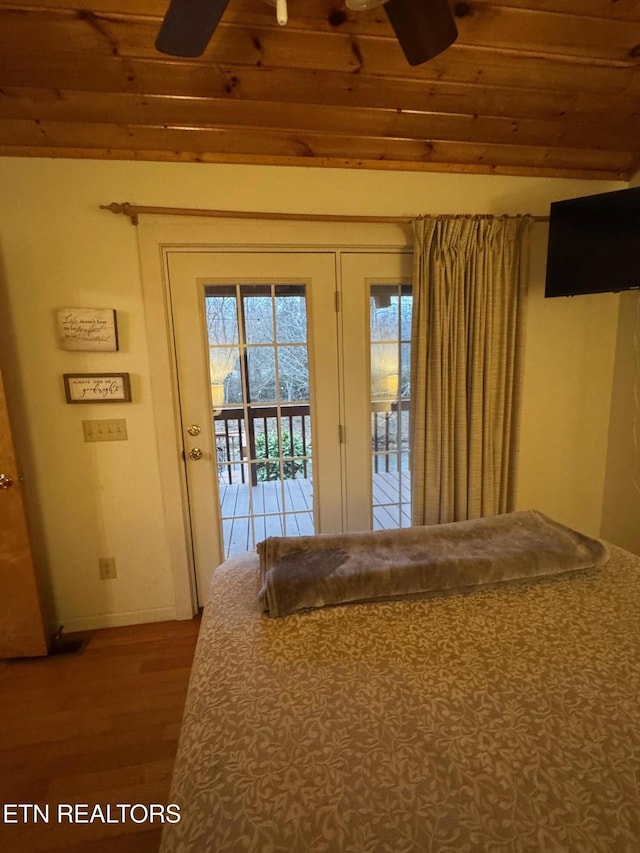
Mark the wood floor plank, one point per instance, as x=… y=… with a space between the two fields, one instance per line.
x=41 y=838
x=35 y=755
x=97 y=727
x=136 y=842
x=121 y=782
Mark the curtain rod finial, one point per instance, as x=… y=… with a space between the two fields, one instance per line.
x=124 y=207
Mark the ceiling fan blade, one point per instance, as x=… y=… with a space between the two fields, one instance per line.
x=424 y=28
x=188 y=26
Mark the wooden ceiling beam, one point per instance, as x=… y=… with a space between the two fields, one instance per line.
x=537 y=87
x=41 y=105
x=548 y=22
x=334 y=162
x=607 y=9
x=192 y=80
x=566 y=38
x=317 y=57
x=592 y=8
x=196 y=143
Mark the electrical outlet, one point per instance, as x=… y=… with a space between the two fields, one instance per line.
x=107 y=567
x=105 y=430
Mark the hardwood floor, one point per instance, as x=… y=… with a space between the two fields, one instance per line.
x=98 y=727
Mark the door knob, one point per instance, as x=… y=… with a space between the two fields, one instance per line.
x=195 y=453
x=5 y=481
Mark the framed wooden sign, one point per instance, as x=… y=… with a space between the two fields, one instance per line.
x=97 y=387
x=88 y=329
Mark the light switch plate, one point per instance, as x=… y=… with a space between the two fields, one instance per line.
x=109 y=430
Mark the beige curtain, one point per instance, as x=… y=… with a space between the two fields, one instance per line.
x=469 y=291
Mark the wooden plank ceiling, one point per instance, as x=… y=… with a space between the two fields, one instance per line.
x=531 y=87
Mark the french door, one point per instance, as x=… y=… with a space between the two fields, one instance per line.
x=283 y=431
x=376 y=331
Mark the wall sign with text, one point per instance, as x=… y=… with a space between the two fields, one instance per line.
x=97 y=387
x=88 y=329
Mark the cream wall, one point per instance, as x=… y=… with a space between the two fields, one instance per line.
x=570 y=349
x=58 y=249
x=621 y=506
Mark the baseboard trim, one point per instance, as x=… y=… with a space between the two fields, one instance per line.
x=114 y=620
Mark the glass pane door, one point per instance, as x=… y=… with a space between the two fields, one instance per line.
x=390 y=341
x=260 y=395
x=376 y=333
x=257 y=366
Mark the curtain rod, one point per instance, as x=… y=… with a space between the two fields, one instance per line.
x=133 y=211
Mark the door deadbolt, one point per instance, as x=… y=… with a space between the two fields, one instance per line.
x=195 y=453
x=193 y=429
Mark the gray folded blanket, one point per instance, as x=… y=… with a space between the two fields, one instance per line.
x=308 y=572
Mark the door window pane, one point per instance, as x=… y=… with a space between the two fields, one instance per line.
x=293 y=373
x=258 y=314
x=384 y=312
x=390 y=332
x=261 y=374
x=221 y=317
x=291 y=314
x=261 y=410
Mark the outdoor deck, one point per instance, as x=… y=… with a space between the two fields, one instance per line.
x=270 y=502
x=386 y=501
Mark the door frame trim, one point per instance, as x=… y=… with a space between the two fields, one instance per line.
x=156 y=238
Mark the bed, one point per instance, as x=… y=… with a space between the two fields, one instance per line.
x=503 y=719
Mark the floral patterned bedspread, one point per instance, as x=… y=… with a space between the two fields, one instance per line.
x=501 y=720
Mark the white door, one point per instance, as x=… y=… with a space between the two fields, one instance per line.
x=216 y=505
x=266 y=451
x=376 y=330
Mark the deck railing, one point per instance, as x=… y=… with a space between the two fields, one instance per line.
x=252 y=446
x=249 y=448
x=389 y=438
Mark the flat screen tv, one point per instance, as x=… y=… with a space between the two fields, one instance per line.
x=594 y=244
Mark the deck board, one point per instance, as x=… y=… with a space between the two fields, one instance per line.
x=265 y=503
x=387 y=489
x=300 y=524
